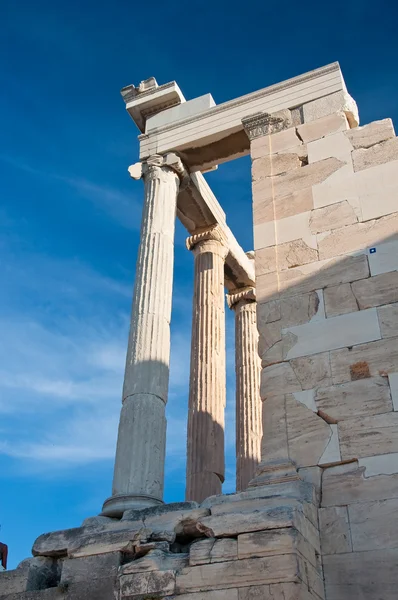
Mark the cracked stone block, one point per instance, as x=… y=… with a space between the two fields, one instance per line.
x=154 y=584
x=335 y=531
x=312 y=371
x=371 y=134
x=332 y=217
x=314 y=130
x=339 y=300
x=368 y=436
x=378 y=358
x=213 y=550
x=363 y=158
x=267 y=208
x=274 y=164
x=388 y=318
x=377 y=290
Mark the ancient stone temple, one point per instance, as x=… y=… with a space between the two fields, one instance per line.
x=316 y=326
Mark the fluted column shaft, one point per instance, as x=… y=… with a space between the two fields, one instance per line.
x=140 y=454
x=207 y=386
x=248 y=403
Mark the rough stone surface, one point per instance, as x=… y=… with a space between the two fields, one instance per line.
x=274 y=164
x=314 y=130
x=367 y=436
x=377 y=290
x=376 y=358
x=369 y=135
x=388 y=318
x=339 y=300
x=363 y=158
x=332 y=217
x=335 y=530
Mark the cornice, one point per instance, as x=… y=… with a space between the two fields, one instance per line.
x=247 y=98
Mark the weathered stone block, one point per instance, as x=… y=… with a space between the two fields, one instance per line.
x=308 y=434
x=371 y=134
x=278 y=142
x=277 y=380
x=312 y=371
x=332 y=103
x=332 y=217
x=334 y=528
x=285 y=256
x=298 y=310
x=376 y=358
x=230 y=594
x=388 y=318
x=278 y=541
x=274 y=164
x=354 y=399
x=268 y=208
x=374 y=525
x=367 y=436
x=347 y=484
x=359 y=236
x=305 y=176
x=212 y=550
x=90 y=568
x=365 y=575
x=107 y=541
x=154 y=584
x=57 y=543
x=363 y=158
x=156 y=560
x=375 y=291
x=314 y=130
x=339 y=300
x=240 y=573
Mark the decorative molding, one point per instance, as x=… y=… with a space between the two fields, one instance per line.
x=263 y=123
x=247 y=294
x=247 y=98
x=214 y=233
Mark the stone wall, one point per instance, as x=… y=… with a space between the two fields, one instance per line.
x=263 y=543
x=325 y=207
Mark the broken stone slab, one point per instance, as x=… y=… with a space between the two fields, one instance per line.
x=161 y=509
x=322 y=127
x=178 y=518
x=312 y=371
x=371 y=134
x=299 y=309
x=108 y=541
x=364 y=158
x=56 y=543
x=90 y=568
x=240 y=573
x=156 y=560
x=339 y=300
x=155 y=584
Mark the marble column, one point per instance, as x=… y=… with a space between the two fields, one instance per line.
x=140 y=454
x=207 y=386
x=247 y=369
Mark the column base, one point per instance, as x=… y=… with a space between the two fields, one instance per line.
x=274 y=472
x=116 y=505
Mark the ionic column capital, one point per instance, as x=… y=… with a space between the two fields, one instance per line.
x=245 y=295
x=213 y=236
x=263 y=123
x=152 y=165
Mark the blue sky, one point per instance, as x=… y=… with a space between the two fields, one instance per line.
x=70 y=215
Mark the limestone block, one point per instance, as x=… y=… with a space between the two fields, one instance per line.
x=284 y=230
x=363 y=397
x=347 y=484
x=278 y=142
x=363 y=158
x=332 y=217
x=278 y=541
x=308 y=434
x=324 y=126
x=57 y=543
x=337 y=102
x=377 y=290
x=358 y=236
x=312 y=371
x=388 y=317
x=274 y=164
x=241 y=573
x=336 y=332
x=334 y=528
x=375 y=358
x=377 y=189
x=336 y=145
x=107 y=541
x=339 y=300
x=181 y=522
x=284 y=256
x=15 y=580
x=318 y=275
x=365 y=575
x=305 y=177
x=268 y=312
x=385 y=258
x=298 y=310
x=374 y=525
x=277 y=591
x=102 y=566
x=267 y=208
x=154 y=584
x=156 y=560
x=278 y=379
x=367 y=436
x=269 y=337
x=211 y=550
x=371 y=134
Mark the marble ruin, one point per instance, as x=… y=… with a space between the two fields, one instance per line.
x=316 y=325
